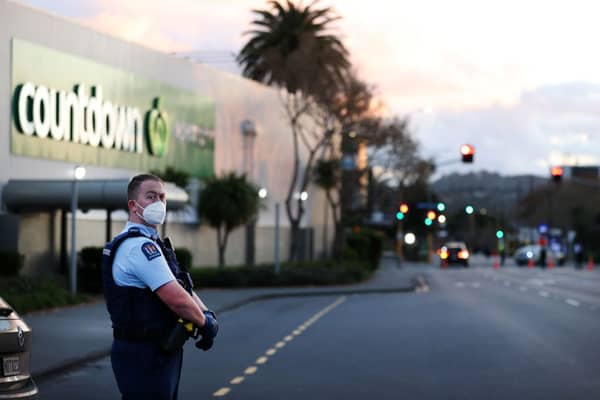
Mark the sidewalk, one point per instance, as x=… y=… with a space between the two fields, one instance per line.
x=67 y=337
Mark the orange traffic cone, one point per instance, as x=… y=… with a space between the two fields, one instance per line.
x=530 y=263
x=550 y=263
x=496 y=262
x=590 y=264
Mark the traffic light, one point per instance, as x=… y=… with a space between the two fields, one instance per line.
x=557 y=173
x=428 y=221
x=499 y=233
x=469 y=209
x=403 y=208
x=400 y=215
x=441 y=207
x=467 y=151
x=431 y=215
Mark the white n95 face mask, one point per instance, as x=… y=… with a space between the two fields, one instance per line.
x=153 y=214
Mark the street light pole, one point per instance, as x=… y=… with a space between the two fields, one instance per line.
x=277 y=266
x=78 y=174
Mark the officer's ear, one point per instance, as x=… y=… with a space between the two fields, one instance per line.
x=131 y=205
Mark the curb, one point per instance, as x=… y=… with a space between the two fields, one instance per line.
x=418 y=285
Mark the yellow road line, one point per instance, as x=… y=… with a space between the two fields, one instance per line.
x=237 y=380
x=270 y=352
x=250 y=370
x=221 y=392
x=262 y=360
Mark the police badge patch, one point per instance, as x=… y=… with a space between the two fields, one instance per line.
x=150 y=250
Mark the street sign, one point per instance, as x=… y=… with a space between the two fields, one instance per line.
x=424 y=205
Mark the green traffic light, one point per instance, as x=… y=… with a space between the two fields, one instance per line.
x=441 y=206
x=428 y=222
x=499 y=234
x=399 y=216
x=469 y=209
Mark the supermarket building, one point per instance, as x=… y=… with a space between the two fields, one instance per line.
x=71 y=96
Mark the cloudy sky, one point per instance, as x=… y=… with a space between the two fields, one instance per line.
x=518 y=79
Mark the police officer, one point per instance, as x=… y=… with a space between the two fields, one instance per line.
x=148 y=296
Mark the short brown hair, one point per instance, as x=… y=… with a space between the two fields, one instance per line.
x=135 y=183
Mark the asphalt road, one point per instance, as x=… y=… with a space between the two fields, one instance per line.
x=512 y=333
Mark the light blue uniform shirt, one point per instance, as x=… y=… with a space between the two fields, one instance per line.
x=139 y=261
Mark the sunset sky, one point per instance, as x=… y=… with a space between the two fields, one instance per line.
x=520 y=80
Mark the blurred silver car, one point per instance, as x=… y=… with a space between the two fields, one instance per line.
x=15 y=347
x=533 y=252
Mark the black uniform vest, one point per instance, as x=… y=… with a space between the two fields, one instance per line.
x=137 y=314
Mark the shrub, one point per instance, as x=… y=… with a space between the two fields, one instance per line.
x=305 y=273
x=27 y=294
x=366 y=244
x=89 y=274
x=11 y=263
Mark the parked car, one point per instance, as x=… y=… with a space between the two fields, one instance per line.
x=533 y=252
x=15 y=348
x=454 y=253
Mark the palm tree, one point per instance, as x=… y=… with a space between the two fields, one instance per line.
x=292 y=48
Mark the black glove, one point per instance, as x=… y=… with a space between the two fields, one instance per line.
x=208 y=331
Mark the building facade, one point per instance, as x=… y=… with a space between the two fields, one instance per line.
x=71 y=96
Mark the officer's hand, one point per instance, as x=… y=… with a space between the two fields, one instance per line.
x=210 y=327
x=205 y=343
x=208 y=331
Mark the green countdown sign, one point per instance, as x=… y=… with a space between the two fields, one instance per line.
x=69 y=108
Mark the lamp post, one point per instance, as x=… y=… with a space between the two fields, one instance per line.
x=78 y=174
x=248 y=130
x=263 y=193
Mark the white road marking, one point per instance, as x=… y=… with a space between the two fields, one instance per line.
x=261 y=360
x=523 y=289
x=544 y=294
x=237 y=380
x=476 y=284
x=460 y=284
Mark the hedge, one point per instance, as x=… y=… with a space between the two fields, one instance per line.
x=11 y=263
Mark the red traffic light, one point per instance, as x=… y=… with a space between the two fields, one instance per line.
x=467 y=151
x=557 y=173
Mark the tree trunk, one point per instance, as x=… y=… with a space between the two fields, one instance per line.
x=222 y=235
x=295 y=241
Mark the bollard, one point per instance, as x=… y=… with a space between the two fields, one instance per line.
x=530 y=263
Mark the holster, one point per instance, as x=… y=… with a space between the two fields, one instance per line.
x=181 y=332
x=176 y=339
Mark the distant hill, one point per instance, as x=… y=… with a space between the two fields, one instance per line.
x=491 y=191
